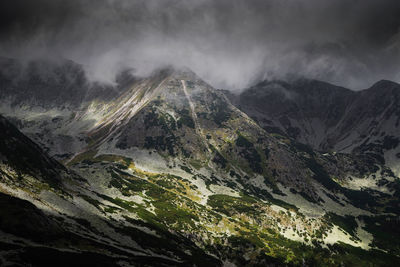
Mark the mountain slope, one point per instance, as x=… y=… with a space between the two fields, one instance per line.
x=49 y=217
x=169 y=203
x=169 y=156
x=329 y=118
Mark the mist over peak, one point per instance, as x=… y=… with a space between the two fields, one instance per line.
x=230 y=44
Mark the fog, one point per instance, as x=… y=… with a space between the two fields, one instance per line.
x=229 y=43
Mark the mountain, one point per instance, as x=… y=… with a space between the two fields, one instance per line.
x=329 y=118
x=51 y=216
x=166 y=170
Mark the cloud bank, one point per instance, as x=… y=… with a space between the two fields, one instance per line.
x=229 y=43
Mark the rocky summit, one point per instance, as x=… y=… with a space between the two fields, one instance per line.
x=165 y=170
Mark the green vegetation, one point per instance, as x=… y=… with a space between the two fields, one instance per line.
x=161 y=143
x=231 y=205
x=347 y=223
x=321 y=175
x=186 y=169
x=249 y=152
x=218 y=158
x=219 y=111
x=386 y=232
x=185 y=119
x=296 y=146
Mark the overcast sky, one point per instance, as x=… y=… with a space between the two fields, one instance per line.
x=229 y=43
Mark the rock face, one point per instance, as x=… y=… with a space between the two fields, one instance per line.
x=167 y=170
x=329 y=118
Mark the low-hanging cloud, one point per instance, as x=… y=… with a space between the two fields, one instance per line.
x=229 y=43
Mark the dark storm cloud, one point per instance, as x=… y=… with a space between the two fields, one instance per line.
x=229 y=43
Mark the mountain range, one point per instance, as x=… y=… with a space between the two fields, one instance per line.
x=166 y=170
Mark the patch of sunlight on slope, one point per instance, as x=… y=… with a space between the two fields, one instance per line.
x=372 y=181
x=338 y=235
x=335 y=234
x=393 y=161
x=366 y=238
x=223 y=190
x=314 y=210
x=146 y=163
x=154 y=163
x=291 y=234
x=365 y=183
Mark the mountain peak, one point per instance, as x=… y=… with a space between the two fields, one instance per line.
x=184 y=73
x=168 y=153
x=385 y=84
